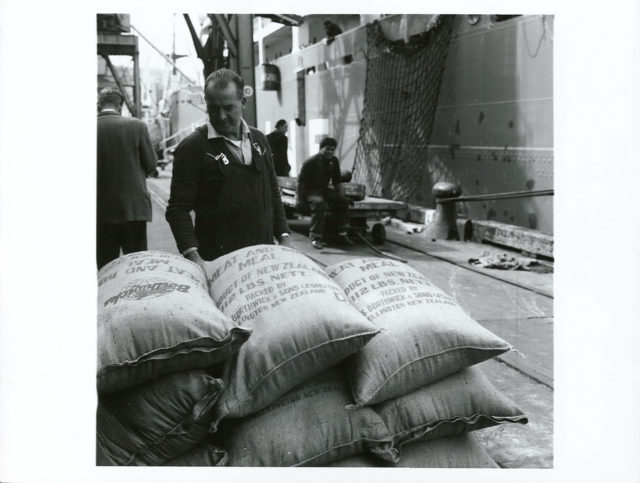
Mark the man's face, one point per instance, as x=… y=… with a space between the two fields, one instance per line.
x=224 y=109
x=327 y=151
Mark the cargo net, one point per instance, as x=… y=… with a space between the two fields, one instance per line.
x=400 y=100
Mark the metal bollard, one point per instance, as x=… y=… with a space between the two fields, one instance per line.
x=443 y=225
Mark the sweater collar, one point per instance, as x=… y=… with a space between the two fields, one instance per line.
x=212 y=133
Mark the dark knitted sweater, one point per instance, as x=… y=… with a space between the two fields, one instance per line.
x=235 y=205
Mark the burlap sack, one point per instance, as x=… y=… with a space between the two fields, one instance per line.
x=425 y=334
x=155 y=316
x=155 y=422
x=363 y=460
x=309 y=426
x=460 y=451
x=302 y=323
x=461 y=402
x=204 y=455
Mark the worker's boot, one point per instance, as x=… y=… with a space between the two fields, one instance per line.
x=317 y=243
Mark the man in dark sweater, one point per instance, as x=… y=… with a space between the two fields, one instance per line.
x=315 y=192
x=279 y=144
x=332 y=30
x=125 y=157
x=223 y=171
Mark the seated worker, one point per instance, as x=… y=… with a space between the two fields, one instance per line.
x=315 y=192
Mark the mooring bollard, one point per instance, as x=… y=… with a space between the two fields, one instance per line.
x=443 y=225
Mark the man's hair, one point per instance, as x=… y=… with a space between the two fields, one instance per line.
x=328 y=142
x=110 y=95
x=221 y=78
x=280 y=123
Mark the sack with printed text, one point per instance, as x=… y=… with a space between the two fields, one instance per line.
x=155 y=317
x=302 y=323
x=308 y=426
x=425 y=334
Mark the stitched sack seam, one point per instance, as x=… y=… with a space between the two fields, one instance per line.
x=257 y=385
x=362 y=402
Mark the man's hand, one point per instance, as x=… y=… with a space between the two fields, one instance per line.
x=284 y=240
x=345 y=176
x=195 y=257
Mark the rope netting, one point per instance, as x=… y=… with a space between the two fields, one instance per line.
x=400 y=100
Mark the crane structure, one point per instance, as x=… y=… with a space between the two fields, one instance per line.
x=114 y=39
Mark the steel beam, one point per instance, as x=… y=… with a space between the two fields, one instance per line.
x=194 y=37
x=127 y=101
x=238 y=33
x=116 y=44
x=285 y=19
x=226 y=31
x=137 y=97
x=246 y=64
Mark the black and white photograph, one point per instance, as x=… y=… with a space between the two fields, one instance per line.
x=371 y=252
x=323 y=240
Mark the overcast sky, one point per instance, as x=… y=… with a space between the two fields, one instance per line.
x=158 y=29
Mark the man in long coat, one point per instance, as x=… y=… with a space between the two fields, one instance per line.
x=125 y=158
x=279 y=144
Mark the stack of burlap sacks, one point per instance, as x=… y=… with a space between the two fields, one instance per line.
x=272 y=361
